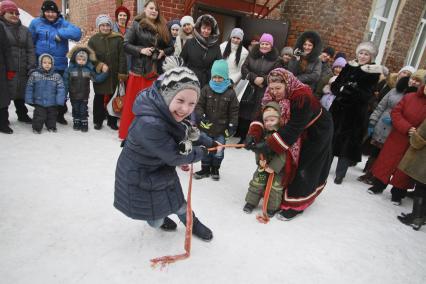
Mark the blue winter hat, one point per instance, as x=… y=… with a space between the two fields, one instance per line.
x=220 y=68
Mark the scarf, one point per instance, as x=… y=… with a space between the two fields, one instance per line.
x=220 y=87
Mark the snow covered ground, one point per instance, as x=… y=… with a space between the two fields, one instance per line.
x=58 y=225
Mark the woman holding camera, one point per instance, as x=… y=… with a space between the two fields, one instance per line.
x=353 y=89
x=148 y=42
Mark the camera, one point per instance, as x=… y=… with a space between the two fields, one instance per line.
x=298 y=52
x=155 y=53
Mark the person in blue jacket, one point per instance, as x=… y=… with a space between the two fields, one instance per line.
x=45 y=91
x=50 y=33
x=77 y=83
x=160 y=138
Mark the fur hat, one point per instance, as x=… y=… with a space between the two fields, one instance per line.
x=8 y=6
x=176 y=80
x=287 y=50
x=271 y=109
x=407 y=68
x=49 y=6
x=187 y=20
x=237 y=32
x=103 y=19
x=339 y=62
x=122 y=9
x=419 y=75
x=315 y=39
x=267 y=38
x=369 y=47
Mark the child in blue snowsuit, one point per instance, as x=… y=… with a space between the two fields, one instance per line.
x=45 y=91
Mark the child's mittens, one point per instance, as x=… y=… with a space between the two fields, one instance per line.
x=230 y=131
x=256 y=130
x=206 y=125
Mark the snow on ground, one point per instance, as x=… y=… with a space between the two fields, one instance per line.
x=58 y=225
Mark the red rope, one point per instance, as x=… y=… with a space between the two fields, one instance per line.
x=165 y=260
x=226 y=146
x=263 y=218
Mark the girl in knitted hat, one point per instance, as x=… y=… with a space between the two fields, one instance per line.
x=185 y=33
x=328 y=97
x=122 y=17
x=234 y=53
x=108 y=46
x=217 y=116
x=160 y=138
x=272 y=163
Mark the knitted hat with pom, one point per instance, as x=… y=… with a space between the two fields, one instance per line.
x=176 y=80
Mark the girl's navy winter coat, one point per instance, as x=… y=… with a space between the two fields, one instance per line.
x=45 y=89
x=147 y=186
x=44 y=37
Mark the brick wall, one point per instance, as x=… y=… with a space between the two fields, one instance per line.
x=33 y=6
x=341 y=23
x=403 y=33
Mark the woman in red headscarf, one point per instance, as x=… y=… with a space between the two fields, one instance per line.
x=305 y=137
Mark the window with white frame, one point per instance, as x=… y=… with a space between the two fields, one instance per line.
x=419 y=46
x=380 y=24
x=139 y=5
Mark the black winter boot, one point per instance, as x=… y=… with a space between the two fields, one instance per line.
x=215 y=173
x=248 y=208
x=397 y=195
x=287 y=215
x=84 y=126
x=61 y=119
x=4 y=121
x=168 y=225
x=415 y=219
x=112 y=123
x=25 y=118
x=76 y=124
x=205 y=172
x=377 y=187
x=199 y=229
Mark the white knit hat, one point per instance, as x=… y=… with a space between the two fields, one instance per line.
x=187 y=20
x=408 y=68
x=238 y=33
x=103 y=19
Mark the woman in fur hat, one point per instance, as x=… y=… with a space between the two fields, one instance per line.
x=353 y=89
x=147 y=186
x=148 y=42
x=306 y=65
x=202 y=50
x=305 y=138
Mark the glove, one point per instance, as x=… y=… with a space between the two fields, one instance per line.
x=206 y=125
x=262 y=148
x=10 y=75
x=387 y=120
x=204 y=150
x=370 y=130
x=185 y=147
x=250 y=142
x=230 y=131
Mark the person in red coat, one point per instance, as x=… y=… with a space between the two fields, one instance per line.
x=407 y=115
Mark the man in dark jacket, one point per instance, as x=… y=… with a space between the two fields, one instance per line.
x=22 y=58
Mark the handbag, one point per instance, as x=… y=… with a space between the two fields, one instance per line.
x=115 y=105
x=248 y=96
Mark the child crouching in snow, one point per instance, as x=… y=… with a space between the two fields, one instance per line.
x=45 y=91
x=217 y=116
x=77 y=82
x=147 y=186
x=272 y=163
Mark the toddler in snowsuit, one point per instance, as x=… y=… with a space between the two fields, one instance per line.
x=272 y=163
x=45 y=91
x=217 y=116
x=77 y=83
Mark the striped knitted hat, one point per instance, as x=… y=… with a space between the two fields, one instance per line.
x=176 y=80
